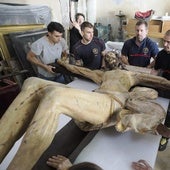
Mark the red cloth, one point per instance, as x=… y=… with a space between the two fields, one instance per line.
x=143 y=15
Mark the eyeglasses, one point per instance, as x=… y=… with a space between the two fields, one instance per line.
x=165 y=41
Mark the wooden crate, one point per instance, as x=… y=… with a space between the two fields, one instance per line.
x=165 y=26
x=130 y=27
x=155 y=26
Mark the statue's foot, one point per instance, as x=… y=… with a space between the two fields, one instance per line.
x=163 y=130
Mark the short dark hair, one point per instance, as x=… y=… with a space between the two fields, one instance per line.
x=55 y=26
x=86 y=24
x=141 y=22
x=79 y=14
x=85 y=166
x=167 y=33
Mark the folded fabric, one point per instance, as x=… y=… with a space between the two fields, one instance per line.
x=144 y=15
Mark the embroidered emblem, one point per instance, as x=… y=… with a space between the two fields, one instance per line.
x=95 y=51
x=145 y=50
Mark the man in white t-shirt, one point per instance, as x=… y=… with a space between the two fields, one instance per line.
x=46 y=50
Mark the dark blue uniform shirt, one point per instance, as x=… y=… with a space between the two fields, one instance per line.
x=163 y=62
x=90 y=54
x=140 y=55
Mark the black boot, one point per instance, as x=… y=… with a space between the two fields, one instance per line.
x=163 y=143
x=164 y=140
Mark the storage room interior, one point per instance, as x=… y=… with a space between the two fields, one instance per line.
x=116 y=18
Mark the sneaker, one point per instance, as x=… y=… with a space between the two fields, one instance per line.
x=163 y=143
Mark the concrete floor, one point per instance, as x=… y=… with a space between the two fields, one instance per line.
x=163 y=159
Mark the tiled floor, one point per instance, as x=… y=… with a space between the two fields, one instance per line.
x=163 y=159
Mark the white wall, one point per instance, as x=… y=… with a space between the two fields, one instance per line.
x=103 y=11
x=53 y=4
x=106 y=10
x=91 y=10
x=58 y=14
x=109 y=8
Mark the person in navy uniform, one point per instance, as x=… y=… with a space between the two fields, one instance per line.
x=89 y=52
x=139 y=50
x=162 y=68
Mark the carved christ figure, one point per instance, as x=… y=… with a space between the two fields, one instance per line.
x=117 y=102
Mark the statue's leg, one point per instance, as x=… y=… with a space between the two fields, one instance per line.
x=16 y=119
x=19 y=114
x=81 y=105
x=38 y=135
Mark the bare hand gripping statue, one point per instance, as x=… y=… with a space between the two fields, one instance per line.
x=37 y=108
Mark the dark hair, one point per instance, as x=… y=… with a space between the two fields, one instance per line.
x=167 y=33
x=141 y=22
x=55 y=26
x=86 y=24
x=85 y=166
x=79 y=14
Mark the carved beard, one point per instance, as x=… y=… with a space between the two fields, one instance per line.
x=111 y=60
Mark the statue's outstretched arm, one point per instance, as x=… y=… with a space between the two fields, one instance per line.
x=94 y=75
x=134 y=78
